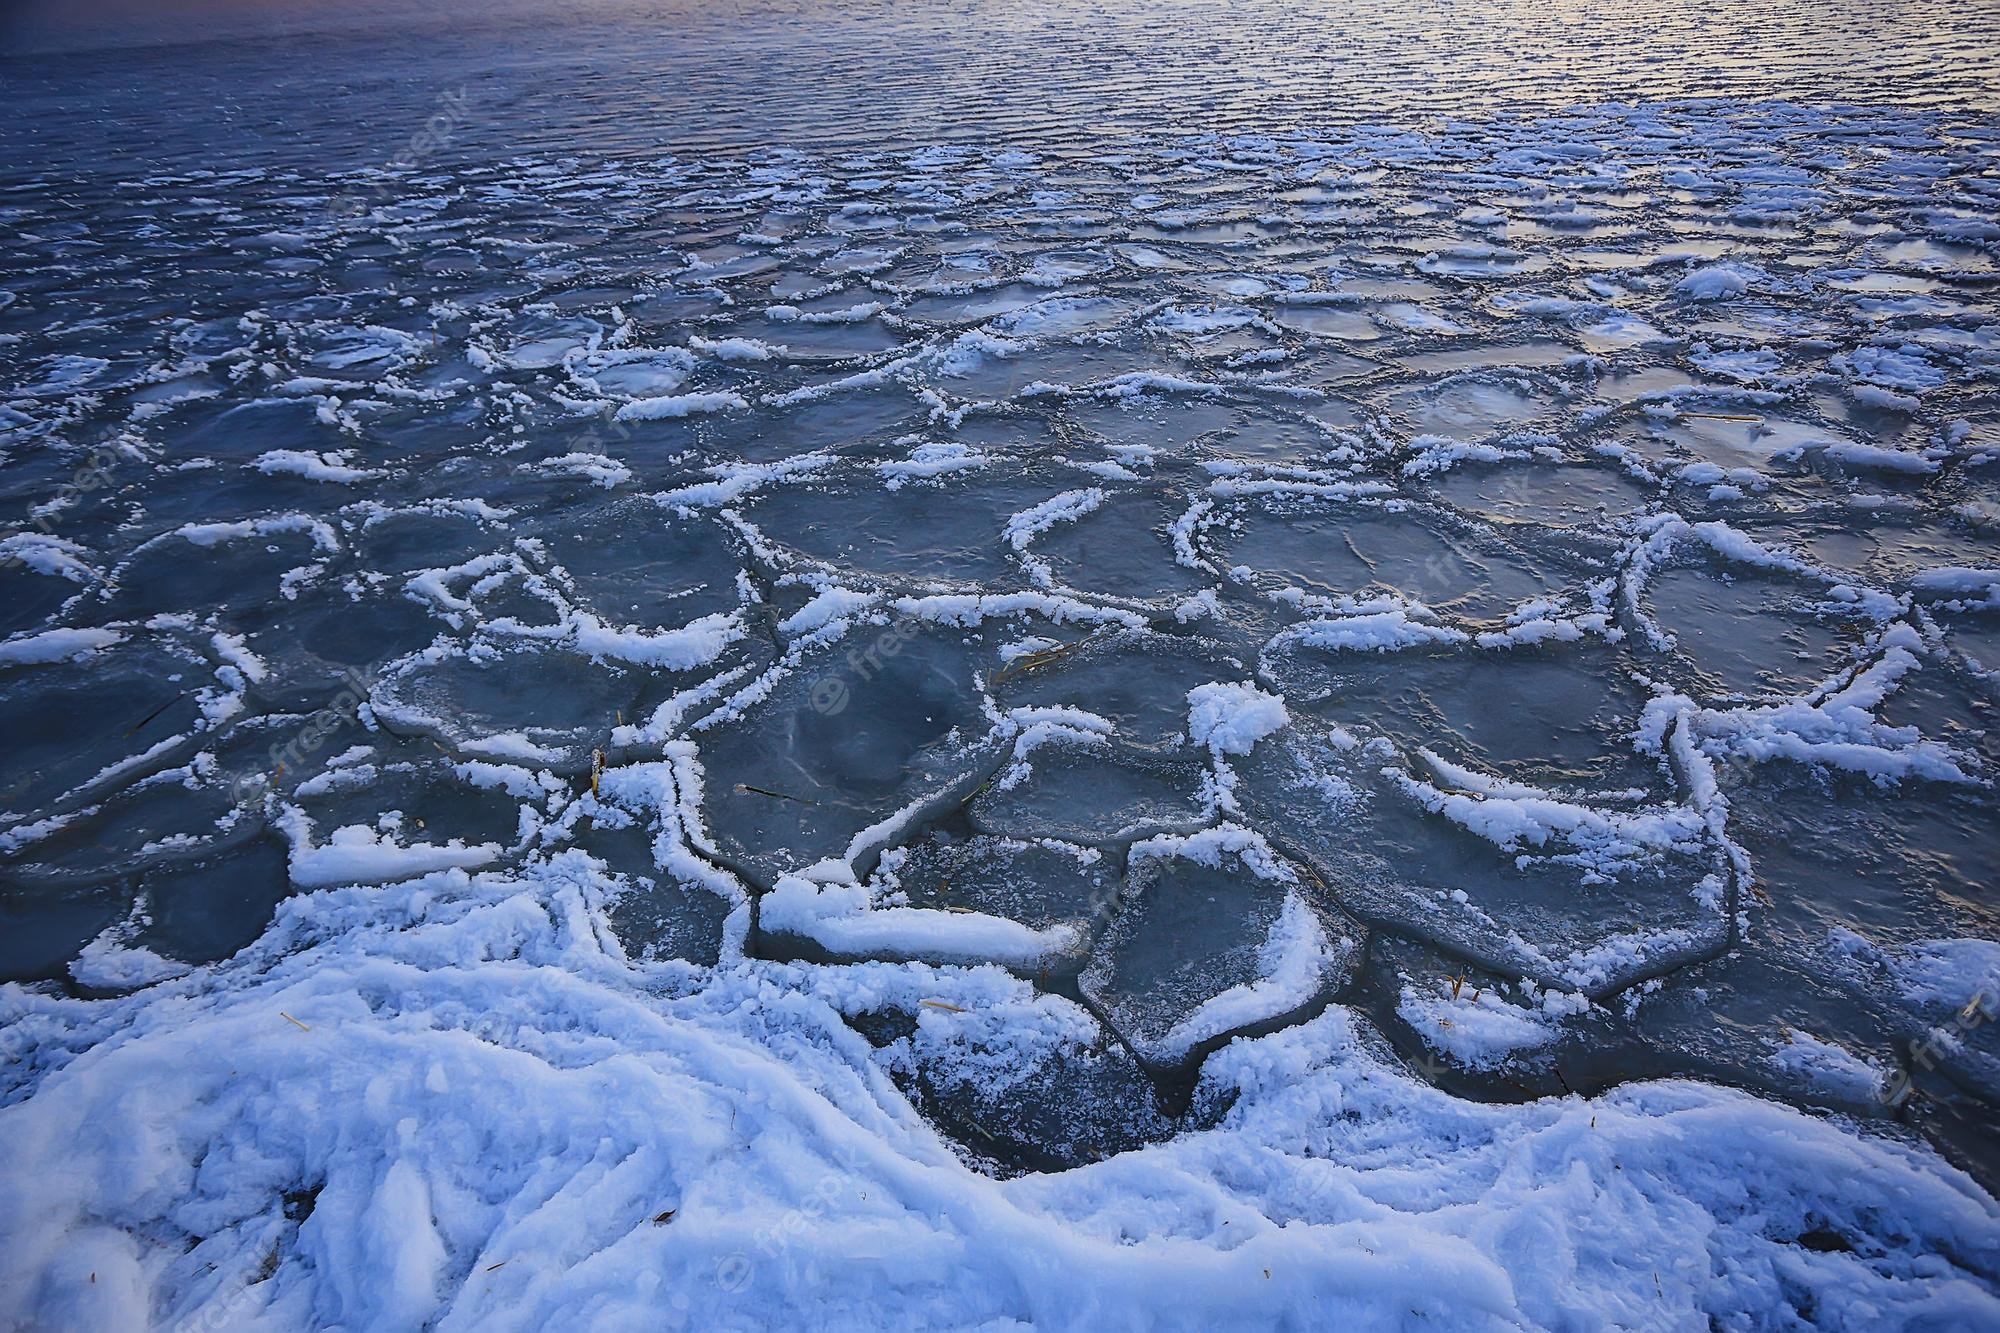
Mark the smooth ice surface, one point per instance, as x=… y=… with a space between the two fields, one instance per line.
x=1140 y=667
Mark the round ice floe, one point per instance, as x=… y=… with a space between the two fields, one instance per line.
x=88 y=710
x=1094 y=796
x=1212 y=940
x=831 y=757
x=631 y=372
x=517 y=703
x=1363 y=552
x=1575 y=891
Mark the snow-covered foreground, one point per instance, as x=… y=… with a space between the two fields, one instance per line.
x=622 y=719
x=454 y=1104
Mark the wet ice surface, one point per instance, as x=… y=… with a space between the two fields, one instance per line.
x=1523 y=585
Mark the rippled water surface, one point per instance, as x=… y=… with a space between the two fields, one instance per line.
x=1484 y=516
